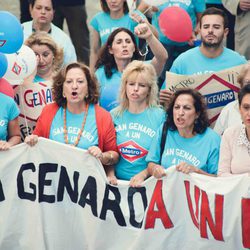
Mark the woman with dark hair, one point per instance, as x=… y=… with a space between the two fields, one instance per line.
x=119 y=50
x=235 y=143
x=190 y=144
x=114 y=14
x=75 y=118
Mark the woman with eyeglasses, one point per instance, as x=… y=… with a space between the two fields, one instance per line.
x=119 y=50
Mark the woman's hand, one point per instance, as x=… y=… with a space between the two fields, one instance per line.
x=31 y=140
x=186 y=168
x=4 y=145
x=138 y=179
x=96 y=152
x=143 y=31
x=158 y=171
x=112 y=179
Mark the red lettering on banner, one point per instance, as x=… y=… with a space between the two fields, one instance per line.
x=205 y=214
x=190 y=205
x=206 y=217
x=161 y=213
x=245 y=207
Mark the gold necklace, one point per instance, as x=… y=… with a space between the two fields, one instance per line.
x=65 y=130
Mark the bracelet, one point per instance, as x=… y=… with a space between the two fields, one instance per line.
x=111 y=160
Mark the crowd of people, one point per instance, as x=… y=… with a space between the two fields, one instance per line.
x=113 y=101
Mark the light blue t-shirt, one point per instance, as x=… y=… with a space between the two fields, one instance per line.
x=201 y=151
x=213 y=1
x=193 y=62
x=191 y=6
x=109 y=88
x=134 y=134
x=74 y=123
x=105 y=25
x=8 y=112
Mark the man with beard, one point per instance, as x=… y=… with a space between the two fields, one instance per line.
x=211 y=55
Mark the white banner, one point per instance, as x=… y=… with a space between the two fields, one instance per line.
x=218 y=88
x=53 y=196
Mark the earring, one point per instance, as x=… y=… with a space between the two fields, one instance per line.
x=63 y=95
x=86 y=96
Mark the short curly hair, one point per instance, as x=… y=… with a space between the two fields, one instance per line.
x=202 y=122
x=106 y=9
x=59 y=79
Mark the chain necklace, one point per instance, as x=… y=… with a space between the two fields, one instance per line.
x=65 y=130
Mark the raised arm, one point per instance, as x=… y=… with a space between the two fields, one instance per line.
x=143 y=31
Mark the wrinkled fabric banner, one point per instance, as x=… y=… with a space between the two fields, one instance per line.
x=54 y=196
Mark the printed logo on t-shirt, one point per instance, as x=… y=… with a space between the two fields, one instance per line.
x=131 y=151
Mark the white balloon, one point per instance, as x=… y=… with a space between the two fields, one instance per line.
x=21 y=64
x=155 y=2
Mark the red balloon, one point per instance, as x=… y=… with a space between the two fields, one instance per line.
x=6 y=88
x=175 y=23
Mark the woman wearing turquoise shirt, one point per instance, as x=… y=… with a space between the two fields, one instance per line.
x=136 y=120
x=119 y=50
x=190 y=144
x=9 y=129
x=115 y=14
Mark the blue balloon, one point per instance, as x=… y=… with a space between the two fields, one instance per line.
x=3 y=64
x=11 y=33
x=109 y=96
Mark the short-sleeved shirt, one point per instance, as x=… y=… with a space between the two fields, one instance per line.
x=105 y=25
x=74 y=123
x=193 y=62
x=134 y=134
x=8 y=112
x=201 y=151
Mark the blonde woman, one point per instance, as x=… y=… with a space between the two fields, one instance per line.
x=136 y=120
x=36 y=92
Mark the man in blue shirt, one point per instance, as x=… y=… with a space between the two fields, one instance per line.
x=211 y=55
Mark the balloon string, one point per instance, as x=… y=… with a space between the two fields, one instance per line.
x=24 y=110
x=145 y=11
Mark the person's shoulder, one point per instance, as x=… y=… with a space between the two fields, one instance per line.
x=55 y=32
x=27 y=24
x=101 y=112
x=235 y=55
x=51 y=107
x=99 y=15
x=233 y=131
x=212 y=135
x=156 y=111
x=6 y=99
x=185 y=56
